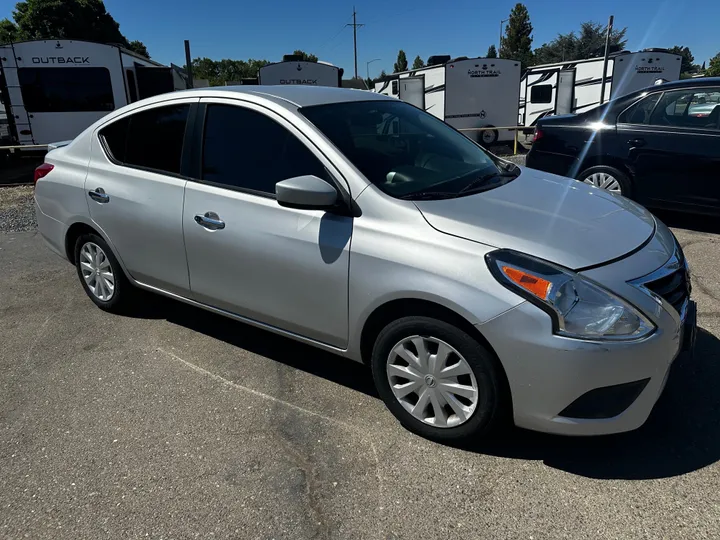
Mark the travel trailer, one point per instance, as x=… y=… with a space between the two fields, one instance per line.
x=464 y=93
x=52 y=90
x=574 y=87
x=294 y=70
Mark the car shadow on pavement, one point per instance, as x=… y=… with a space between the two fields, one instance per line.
x=682 y=434
x=692 y=222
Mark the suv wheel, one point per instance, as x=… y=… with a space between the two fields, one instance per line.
x=438 y=381
x=100 y=273
x=607 y=178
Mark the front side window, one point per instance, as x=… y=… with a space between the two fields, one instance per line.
x=403 y=150
x=59 y=89
x=688 y=108
x=150 y=139
x=541 y=93
x=245 y=149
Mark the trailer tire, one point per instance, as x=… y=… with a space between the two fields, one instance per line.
x=488 y=137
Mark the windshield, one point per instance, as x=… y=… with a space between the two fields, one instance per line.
x=405 y=151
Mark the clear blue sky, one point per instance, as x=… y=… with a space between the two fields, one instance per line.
x=270 y=28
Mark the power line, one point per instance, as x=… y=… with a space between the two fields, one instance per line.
x=342 y=28
x=355 y=27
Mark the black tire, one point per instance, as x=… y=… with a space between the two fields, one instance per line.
x=123 y=292
x=492 y=401
x=486 y=140
x=621 y=177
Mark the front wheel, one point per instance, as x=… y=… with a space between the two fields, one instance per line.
x=438 y=381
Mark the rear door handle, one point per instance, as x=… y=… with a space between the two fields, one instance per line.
x=210 y=220
x=636 y=142
x=99 y=195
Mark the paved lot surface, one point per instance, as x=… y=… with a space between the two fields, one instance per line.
x=180 y=424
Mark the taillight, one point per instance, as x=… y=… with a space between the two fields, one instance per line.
x=42 y=171
x=538 y=134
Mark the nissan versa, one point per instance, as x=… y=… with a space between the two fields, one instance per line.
x=475 y=289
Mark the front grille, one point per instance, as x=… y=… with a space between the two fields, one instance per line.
x=674 y=288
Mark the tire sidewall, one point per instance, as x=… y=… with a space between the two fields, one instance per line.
x=494 y=139
x=620 y=176
x=121 y=285
x=479 y=359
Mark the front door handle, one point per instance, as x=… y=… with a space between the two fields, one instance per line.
x=99 y=195
x=636 y=142
x=210 y=220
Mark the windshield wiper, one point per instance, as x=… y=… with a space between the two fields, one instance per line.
x=428 y=195
x=480 y=182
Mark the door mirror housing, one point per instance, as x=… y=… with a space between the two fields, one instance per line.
x=306 y=192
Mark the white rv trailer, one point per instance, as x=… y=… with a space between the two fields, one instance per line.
x=293 y=70
x=52 y=90
x=574 y=87
x=464 y=93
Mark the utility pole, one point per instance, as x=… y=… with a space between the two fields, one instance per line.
x=188 y=64
x=605 y=62
x=355 y=27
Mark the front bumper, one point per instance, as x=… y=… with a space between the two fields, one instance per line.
x=612 y=385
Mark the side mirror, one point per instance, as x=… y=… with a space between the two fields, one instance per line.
x=307 y=192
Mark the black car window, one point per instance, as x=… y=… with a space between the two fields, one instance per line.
x=639 y=113
x=541 y=93
x=692 y=108
x=245 y=149
x=66 y=89
x=151 y=139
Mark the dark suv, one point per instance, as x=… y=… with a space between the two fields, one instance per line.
x=659 y=146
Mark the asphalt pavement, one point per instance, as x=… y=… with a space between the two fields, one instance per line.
x=176 y=423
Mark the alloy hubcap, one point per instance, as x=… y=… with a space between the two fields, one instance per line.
x=604 y=181
x=97 y=272
x=432 y=381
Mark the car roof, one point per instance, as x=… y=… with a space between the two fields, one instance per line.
x=295 y=94
x=697 y=81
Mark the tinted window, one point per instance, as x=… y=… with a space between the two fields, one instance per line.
x=131 y=85
x=246 y=149
x=150 y=139
x=640 y=112
x=59 y=89
x=401 y=149
x=688 y=108
x=541 y=93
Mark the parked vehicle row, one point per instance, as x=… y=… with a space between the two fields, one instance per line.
x=477 y=291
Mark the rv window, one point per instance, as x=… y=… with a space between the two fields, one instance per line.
x=131 y=85
x=245 y=149
x=541 y=93
x=394 y=87
x=73 y=89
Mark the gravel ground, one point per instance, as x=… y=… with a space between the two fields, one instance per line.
x=17 y=212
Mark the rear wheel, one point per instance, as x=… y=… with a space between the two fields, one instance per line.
x=438 y=381
x=607 y=178
x=488 y=137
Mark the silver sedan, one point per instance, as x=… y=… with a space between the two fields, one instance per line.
x=477 y=291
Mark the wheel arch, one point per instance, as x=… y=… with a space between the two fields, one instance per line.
x=607 y=160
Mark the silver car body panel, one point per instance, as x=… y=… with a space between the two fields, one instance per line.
x=317 y=277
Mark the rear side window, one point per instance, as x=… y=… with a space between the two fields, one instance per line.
x=151 y=139
x=58 y=89
x=640 y=112
x=245 y=149
x=541 y=93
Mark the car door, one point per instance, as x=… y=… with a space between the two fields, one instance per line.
x=280 y=266
x=673 y=151
x=135 y=192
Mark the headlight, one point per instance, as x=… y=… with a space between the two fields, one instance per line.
x=579 y=308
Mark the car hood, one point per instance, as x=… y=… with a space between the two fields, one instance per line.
x=551 y=217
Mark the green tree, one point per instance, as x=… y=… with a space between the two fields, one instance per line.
x=518 y=36
x=139 y=48
x=492 y=52
x=713 y=70
x=219 y=72
x=305 y=56
x=8 y=31
x=402 y=63
x=687 y=59
x=418 y=62
x=382 y=74
x=589 y=42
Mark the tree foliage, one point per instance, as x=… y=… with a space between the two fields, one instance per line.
x=713 y=70
x=687 y=59
x=518 y=36
x=491 y=52
x=138 y=47
x=64 y=19
x=219 y=72
x=418 y=63
x=589 y=42
x=402 y=63
x=305 y=56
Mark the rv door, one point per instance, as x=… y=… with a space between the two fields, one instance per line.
x=565 y=92
x=412 y=91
